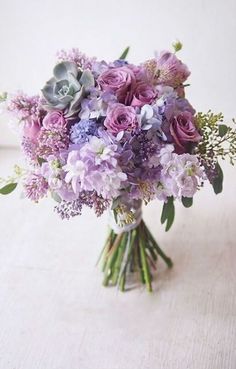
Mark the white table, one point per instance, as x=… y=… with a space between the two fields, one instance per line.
x=54 y=313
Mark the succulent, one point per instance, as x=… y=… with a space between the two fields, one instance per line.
x=67 y=87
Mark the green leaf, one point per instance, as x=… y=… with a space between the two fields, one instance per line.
x=168 y=213
x=187 y=201
x=8 y=188
x=223 y=129
x=41 y=160
x=124 y=54
x=55 y=197
x=218 y=180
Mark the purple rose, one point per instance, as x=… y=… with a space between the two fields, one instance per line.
x=120 y=81
x=183 y=130
x=54 y=119
x=120 y=118
x=143 y=94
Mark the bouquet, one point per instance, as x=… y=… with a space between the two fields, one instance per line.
x=113 y=136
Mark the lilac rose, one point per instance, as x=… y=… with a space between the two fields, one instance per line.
x=143 y=94
x=120 y=118
x=119 y=81
x=183 y=130
x=54 y=119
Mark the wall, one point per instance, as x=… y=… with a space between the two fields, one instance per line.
x=32 y=31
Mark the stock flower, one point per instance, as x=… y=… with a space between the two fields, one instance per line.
x=181 y=175
x=94 y=167
x=120 y=118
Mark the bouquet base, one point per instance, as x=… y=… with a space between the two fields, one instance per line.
x=129 y=252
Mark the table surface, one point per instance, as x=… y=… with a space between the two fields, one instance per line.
x=56 y=315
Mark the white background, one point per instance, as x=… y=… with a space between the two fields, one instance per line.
x=32 y=31
x=54 y=312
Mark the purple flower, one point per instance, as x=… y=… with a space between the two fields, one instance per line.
x=76 y=56
x=120 y=81
x=183 y=130
x=167 y=69
x=121 y=118
x=51 y=141
x=94 y=168
x=53 y=120
x=81 y=131
x=143 y=94
x=35 y=187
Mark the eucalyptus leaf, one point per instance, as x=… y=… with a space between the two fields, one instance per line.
x=218 y=180
x=168 y=213
x=124 y=54
x=187 y=201
x=8 y=188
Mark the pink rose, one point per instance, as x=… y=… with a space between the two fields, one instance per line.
x=120 y=118
x=31 y=130
x=143 y=94
x=54 y=119
x=120 y=81
x=183 y=130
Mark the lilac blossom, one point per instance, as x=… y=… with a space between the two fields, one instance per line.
x=76 y=56
x=35 y=186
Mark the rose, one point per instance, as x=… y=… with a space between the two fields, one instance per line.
x=54 y=119
x=143 y=94
x=183 y=129
x=120 y=81
x=121 y=118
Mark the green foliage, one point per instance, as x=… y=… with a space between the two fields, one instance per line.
x=124 y=54
x=218 y=140
x=168 y=213
x=10 y=187
x=218 y=180
x=187 y=201
x=3 y=97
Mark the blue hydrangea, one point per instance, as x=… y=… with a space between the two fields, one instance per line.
x=81 y=131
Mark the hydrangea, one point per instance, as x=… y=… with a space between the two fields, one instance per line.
x=81 y=131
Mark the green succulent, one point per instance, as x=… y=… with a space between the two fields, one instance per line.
x=67 y=87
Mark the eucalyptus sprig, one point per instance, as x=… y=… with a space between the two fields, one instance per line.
x=218 y=140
